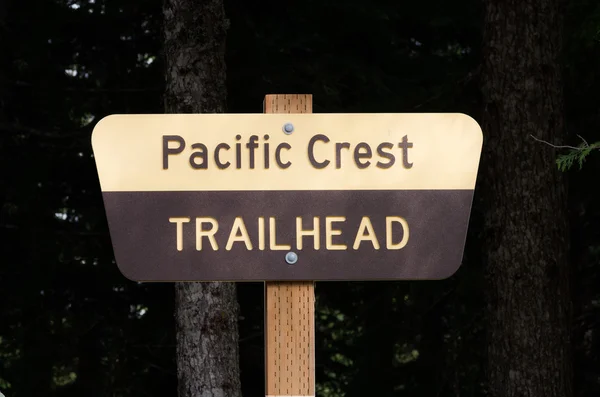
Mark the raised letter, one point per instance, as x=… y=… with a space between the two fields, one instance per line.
x=220 y=146
x=261 y=233
x=251 y=145
x=168 y=151
x=365 y=223
x=238 y=224
x=301 y=233
x=273 y=237
x=338 y=153
x=358 y=155
x=387 y=155
x=311 y=156
x=405 y=145
x=278 y=155
x=202 y=154
x=266 y=145
x=179 y=222
x=388 y=232
x=206 y=233
x=238 y=152
x=330 y=232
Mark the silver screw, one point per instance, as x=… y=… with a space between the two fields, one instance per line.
x=291 y=258
x=288 y=128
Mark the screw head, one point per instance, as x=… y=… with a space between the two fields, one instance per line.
x=291 y=258
x=288 y=128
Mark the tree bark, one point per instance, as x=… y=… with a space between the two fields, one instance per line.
x=206 y=313
x=526 y=227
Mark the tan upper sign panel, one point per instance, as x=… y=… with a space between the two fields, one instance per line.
x=253 y=152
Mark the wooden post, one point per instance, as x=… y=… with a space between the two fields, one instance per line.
x=290 y=307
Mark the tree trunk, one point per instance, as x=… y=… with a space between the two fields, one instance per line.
x=207 y=313
x=526 y=227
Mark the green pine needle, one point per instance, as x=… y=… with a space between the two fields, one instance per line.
x=565 y=161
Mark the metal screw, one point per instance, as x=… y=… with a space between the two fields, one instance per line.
x=288 y=128
x=291 y=258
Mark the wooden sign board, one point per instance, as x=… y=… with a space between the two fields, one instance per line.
x=260 y=197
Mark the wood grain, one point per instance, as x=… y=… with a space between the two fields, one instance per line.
x=290 y=307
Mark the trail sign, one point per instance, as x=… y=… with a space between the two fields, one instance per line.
x=259 y=197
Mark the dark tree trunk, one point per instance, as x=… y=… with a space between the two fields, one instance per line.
x=207 y=313
x=526 y=227
x=195 y=33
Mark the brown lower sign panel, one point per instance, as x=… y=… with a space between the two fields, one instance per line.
x=246 y=235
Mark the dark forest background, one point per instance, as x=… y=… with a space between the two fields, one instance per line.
x=71 y=324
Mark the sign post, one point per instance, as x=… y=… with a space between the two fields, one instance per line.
x=289 y=306
x=288 y=197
